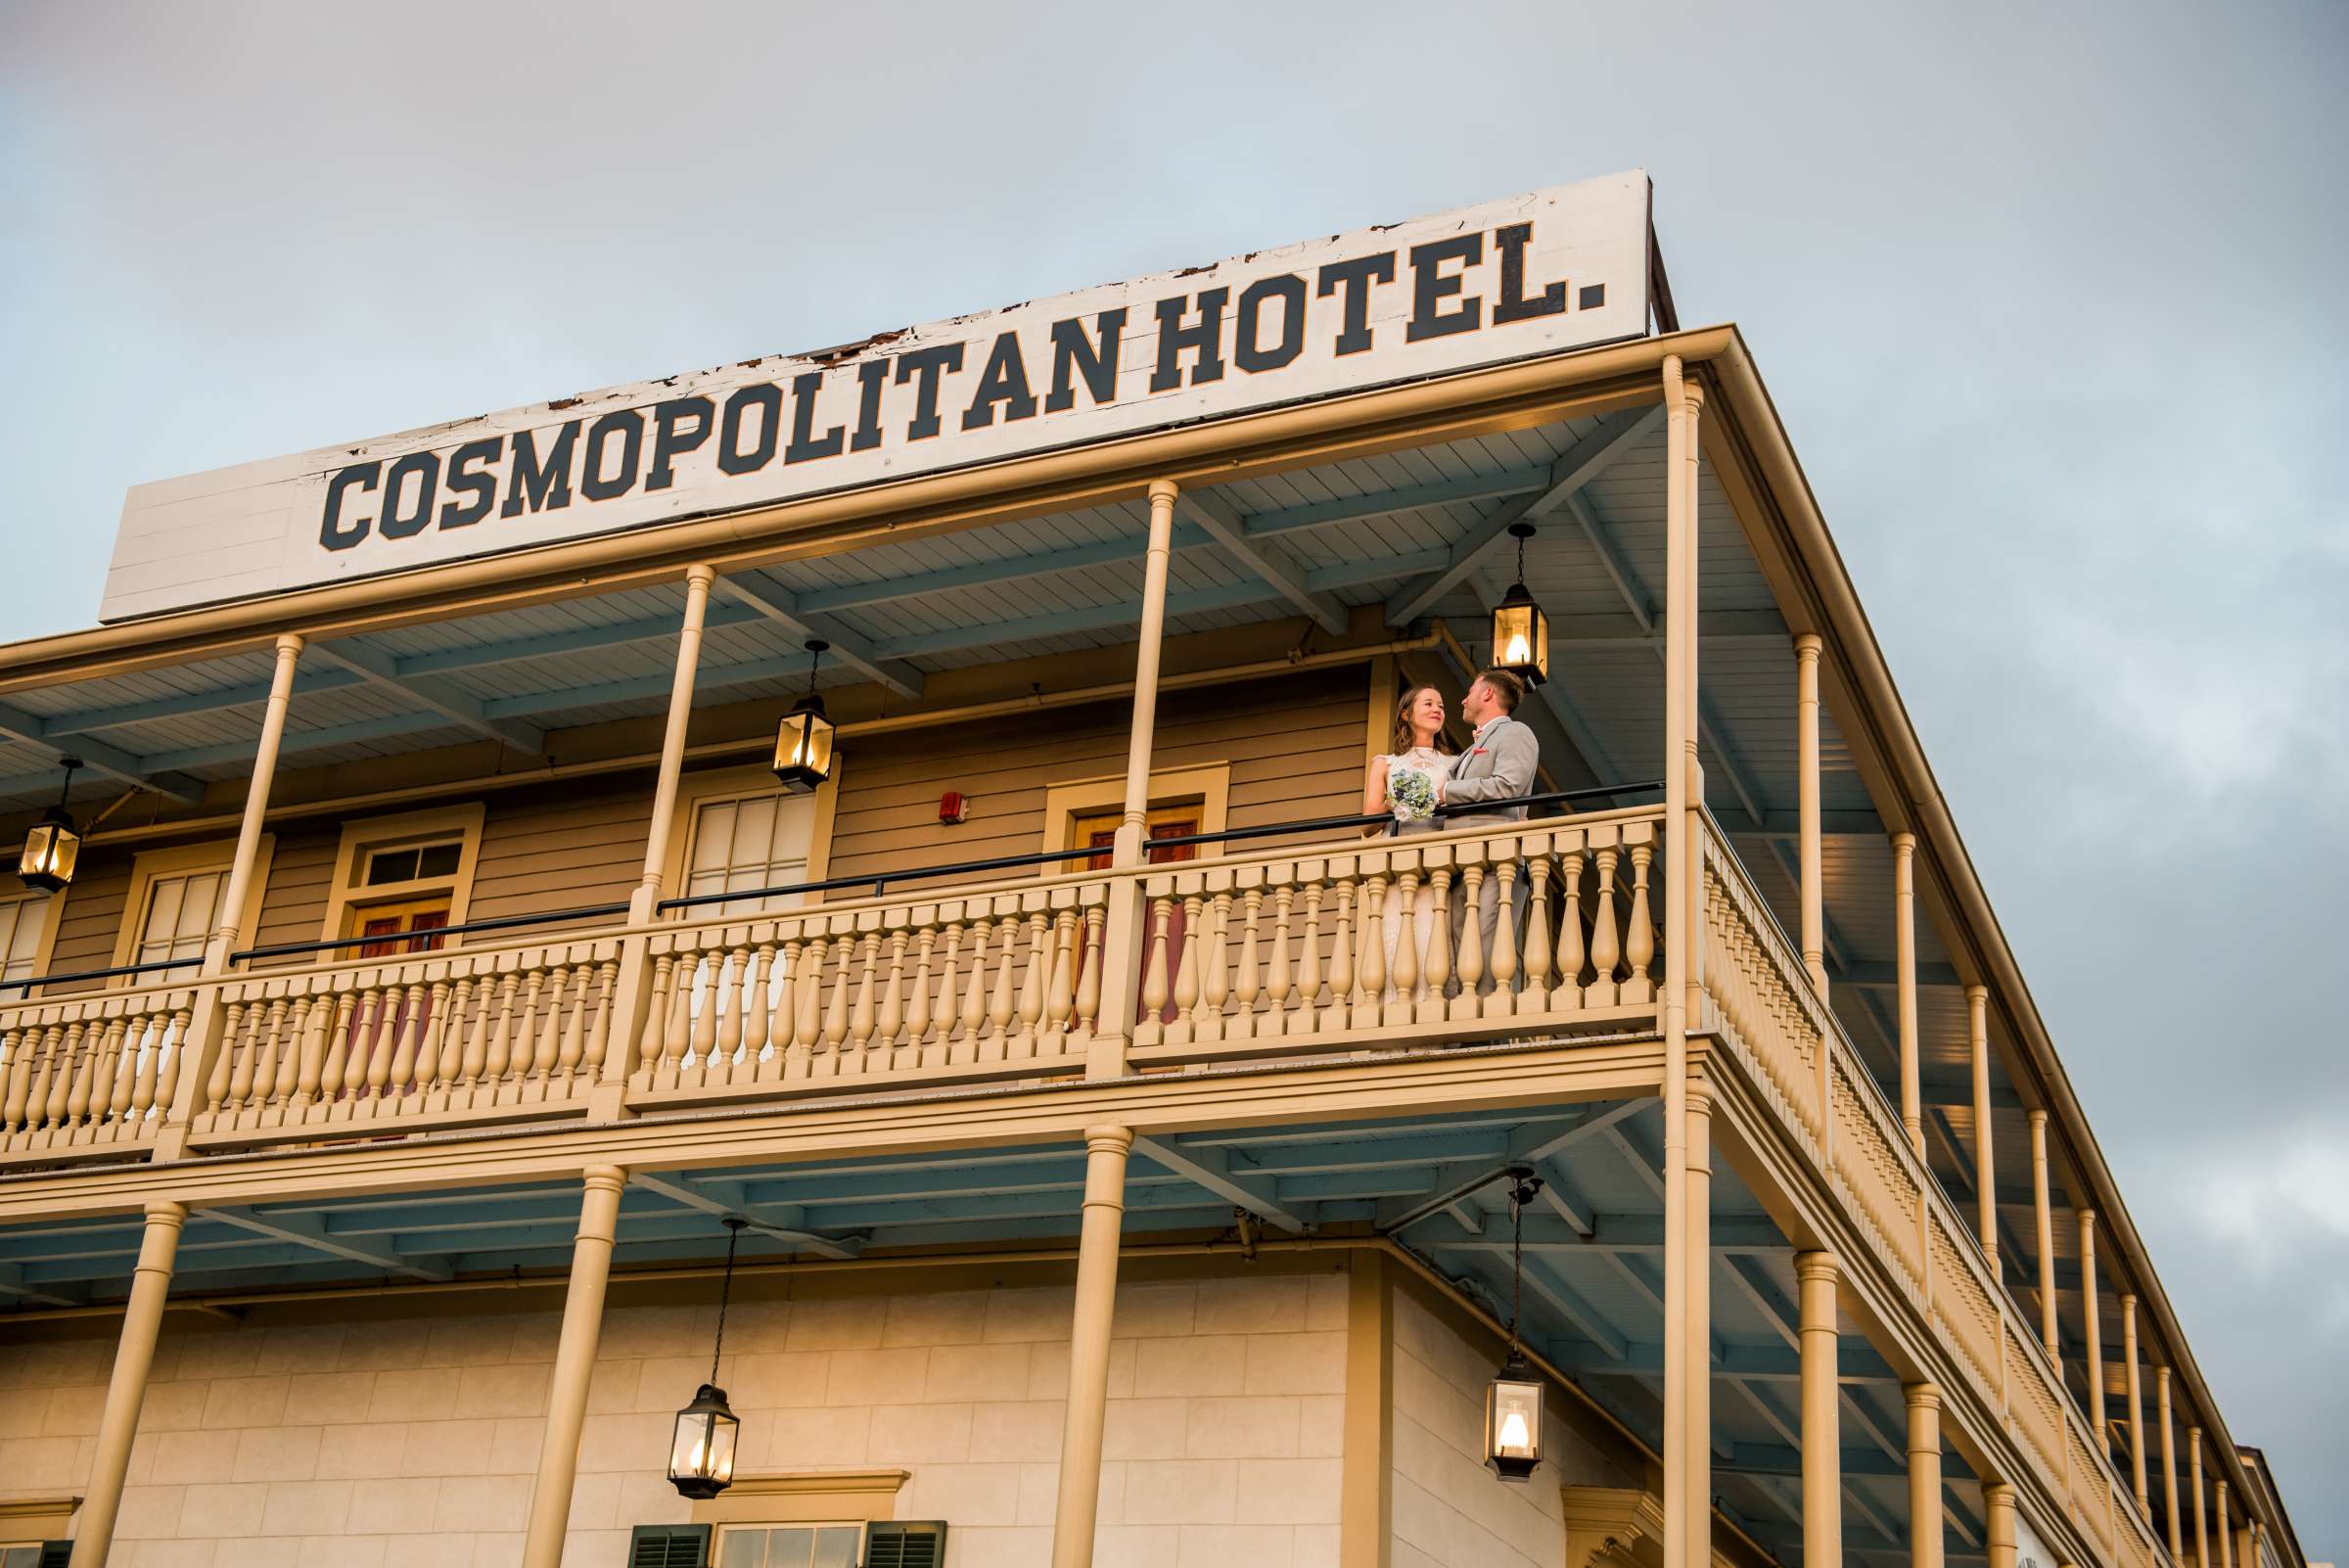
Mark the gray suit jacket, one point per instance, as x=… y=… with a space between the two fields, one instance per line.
x=1500 y=769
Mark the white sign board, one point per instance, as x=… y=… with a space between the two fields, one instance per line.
x=1560 y=269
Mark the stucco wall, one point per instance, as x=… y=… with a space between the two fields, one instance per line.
x=1449 y=1510
x=382 y=1444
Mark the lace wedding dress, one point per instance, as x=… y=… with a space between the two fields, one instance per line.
x=1433 y=765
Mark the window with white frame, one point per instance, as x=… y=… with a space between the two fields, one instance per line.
x=742 y=843
x=182 y=908
x=23 y=923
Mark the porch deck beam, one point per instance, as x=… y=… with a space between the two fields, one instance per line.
x=1228 y=528
x=723 y=1199
x=100 y=757
x=458 y=707
x=301 y=1230
x=781 y=606
x=1212 y=1168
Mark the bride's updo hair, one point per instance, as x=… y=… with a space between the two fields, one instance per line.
x=1403 y=740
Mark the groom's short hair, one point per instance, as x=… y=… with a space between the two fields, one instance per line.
x=1505 y=684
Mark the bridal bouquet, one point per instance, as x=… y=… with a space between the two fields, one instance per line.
x=1414 y=794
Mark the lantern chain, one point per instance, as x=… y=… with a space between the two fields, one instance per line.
x=1524 y=1186
x=726 y=1290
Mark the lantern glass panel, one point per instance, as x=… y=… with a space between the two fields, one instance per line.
x=1521 y=636
x=50 y=849
x=803 y=748
x=701 y=1455
x=1514 y=1425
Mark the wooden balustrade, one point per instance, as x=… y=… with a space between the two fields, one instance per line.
x=1750 y=970
x=91 y=1074
x=501 y=1034
x=999 y=983
x=1309 y=949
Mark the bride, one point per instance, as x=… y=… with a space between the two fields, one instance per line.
x=1401 y=784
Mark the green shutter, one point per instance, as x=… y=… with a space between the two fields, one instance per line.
x=905 y=1544
x=56 y=1553
x=669 y=1546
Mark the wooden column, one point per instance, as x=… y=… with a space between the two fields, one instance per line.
x=1688 y=1451
x=2045 y=1215
x=2194 y=1467
x=1998 y=1503
x=2091 y=1311
x=1904 y=936
x=126 y=1389
x=575 y=1358
x=1986 y=1165
x=1807 y=650
x=2169 y=1464
x=698 y=580
x=2136 y=1409
x=1079 y=1503
x=2226 y=1535
x=225 y=934
x=1696 y=1341
x=1821 y=1404
x=1925 y=1474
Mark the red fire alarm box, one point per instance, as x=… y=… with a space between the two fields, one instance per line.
x=953 y=808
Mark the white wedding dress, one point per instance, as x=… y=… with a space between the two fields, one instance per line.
x=1422 y=912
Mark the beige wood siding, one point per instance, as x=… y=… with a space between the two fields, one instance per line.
x=561 y=847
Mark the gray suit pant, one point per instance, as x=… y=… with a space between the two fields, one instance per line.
x=1488 y=928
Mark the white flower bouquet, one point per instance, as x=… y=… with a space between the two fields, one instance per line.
x=1412 y=794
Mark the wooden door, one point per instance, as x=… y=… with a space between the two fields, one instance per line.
x=1099 y=834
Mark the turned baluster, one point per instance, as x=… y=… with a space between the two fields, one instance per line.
x=809 y=997
x=167 y=1086
x=98 y=1096
x=974 y=1000
x=756 y=1009
x=732 y=1025
x=729 y=970
x=999 y=1001
x=1569 y=993
x=1404 y=975
x=63 y=1053
x=1640 y=944
x=1277 y=973
x=943 y=1015
x=288 y=1078
x=599 y=1034
x=380 y=1029
x=1309 y=964
x=267 y=1031
x=1031 y=1011
x=676 y=1035
x=1471 y=966
x=475 y=1058
x=1214 y=970
x=410 y=1046
x=1502 y=961
x=1088 y=985
x=1607 y=949
x=82 y=1069
x=448 y=1031
x=493 y=1069
x=1248 y=992
x=1442 y=963
x=224 y=1060
x=836 y=1012
x=240 y=1073
x=153 y=1033
x=15 y=1080
x=783 y=994
x=1186 y=969
x=573 y=1049
x=1537 y=960
x=126 y=1048
x=1372 y=945
x=709 y=1001
x=37 y=1108
x=1344 y=992
x=334 y=1072
x=864 y=1011
x=1060 y=1005
x=917 y=1005
x=1155 y=987
x=538 y=1037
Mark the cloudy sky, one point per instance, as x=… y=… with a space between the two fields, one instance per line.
x=2048 y=297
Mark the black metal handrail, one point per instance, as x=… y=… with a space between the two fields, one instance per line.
x=879 y=885
x=119 y=970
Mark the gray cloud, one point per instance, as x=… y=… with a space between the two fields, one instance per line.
x=2047 y=296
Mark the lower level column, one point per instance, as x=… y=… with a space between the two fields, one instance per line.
x=1925 y=1474
x=1080 y=1501
x=1997 y=1501
x=575 y=1359
x=126 y=1390
x=1822 y=1418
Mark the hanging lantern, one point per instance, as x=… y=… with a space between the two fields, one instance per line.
x=1520 y=630
x=700 y=1454
x=804 y=742
x=53 y=843
x=1513 y=1399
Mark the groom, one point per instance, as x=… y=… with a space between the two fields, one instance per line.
x=1498 y=766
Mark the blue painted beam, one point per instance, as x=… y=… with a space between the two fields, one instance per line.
x=1006 y=569
x=1403 y=498
x=88 y=720
x=305 y=739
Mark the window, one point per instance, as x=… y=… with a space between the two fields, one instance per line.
x=799 y=1546
x=398 y=876
x=1077 y=812
x=24 y=946
x=37 y=1554
x=747 y=841
x=173 y=905
x=735 y=831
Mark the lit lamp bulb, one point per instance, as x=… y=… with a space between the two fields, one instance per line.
x=1520 y=630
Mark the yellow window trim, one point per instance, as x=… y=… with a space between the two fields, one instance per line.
x=51 y=919
x=345 y=898
x=214 y=854
x=806 y=1497
x=713 y=784
x=1067 y=804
